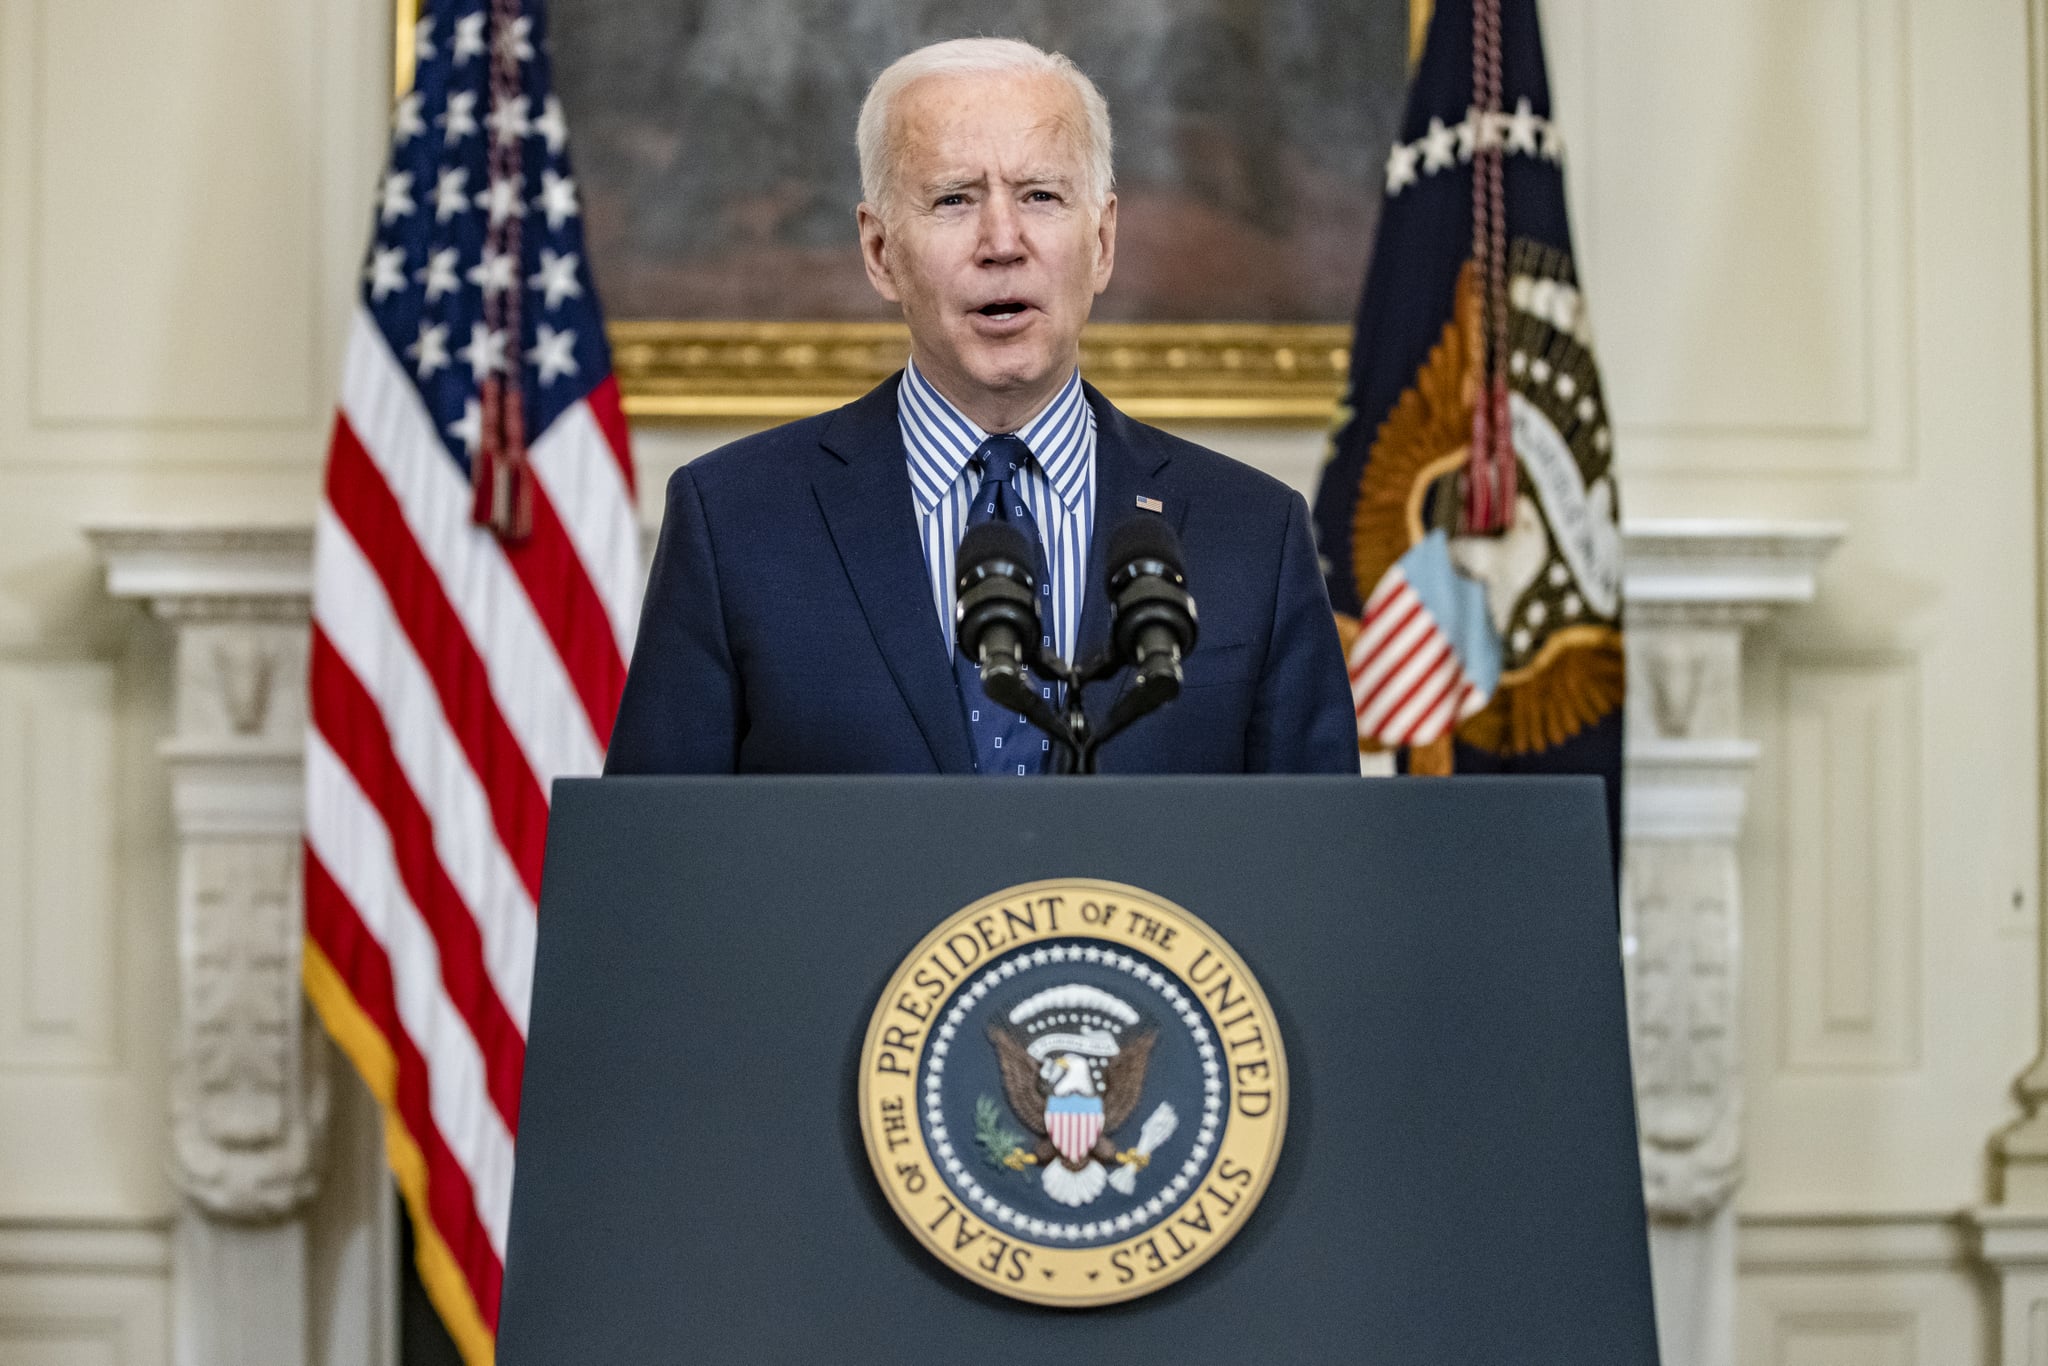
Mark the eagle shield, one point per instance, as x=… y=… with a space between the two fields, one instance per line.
x=1073 y=1064
x=1074 y=1123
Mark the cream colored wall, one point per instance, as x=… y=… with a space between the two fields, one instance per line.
x=183 y=199
x=1804 y=229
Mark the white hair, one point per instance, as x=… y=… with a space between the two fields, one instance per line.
x=878 y=139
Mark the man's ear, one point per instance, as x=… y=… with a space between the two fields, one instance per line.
x=1105 y=244
x=874 y=252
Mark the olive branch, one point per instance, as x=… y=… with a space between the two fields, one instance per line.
x=996 y=1140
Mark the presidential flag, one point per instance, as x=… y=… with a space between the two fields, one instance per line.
x=476 y=575
x=1475 y=418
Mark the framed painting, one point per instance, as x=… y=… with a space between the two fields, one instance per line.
x=713 y=142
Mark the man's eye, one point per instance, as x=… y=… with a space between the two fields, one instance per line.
x=1042 y=197
x=948 y=200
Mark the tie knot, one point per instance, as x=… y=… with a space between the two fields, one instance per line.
x=1000 y=456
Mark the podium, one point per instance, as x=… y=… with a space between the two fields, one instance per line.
x=1459 y=1178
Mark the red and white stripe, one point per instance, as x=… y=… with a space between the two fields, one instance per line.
x=452 y=678
x=1406 y=683
x=1074 y=1132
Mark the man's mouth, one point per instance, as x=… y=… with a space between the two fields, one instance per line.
x=1003 y=309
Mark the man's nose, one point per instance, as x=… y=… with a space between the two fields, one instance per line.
x=1002 y=241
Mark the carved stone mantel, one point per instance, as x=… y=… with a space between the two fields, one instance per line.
x=1693 y=589
x=250 y=1097
x=249 y=1087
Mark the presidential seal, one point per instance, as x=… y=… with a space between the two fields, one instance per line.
x=1073 y=1092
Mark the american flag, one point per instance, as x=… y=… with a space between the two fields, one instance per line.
x=1425 y=657
x=476 y=582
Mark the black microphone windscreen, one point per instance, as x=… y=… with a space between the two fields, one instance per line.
x=991 y=541
x=1144 y=537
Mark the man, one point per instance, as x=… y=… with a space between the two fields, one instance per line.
x=799 y=614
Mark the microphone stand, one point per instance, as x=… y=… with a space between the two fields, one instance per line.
x=1069 y=727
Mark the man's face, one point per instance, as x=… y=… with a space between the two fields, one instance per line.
x=992 y=244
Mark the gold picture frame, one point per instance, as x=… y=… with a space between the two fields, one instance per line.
x=671 y=370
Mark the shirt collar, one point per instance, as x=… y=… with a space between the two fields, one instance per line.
x=940 y=440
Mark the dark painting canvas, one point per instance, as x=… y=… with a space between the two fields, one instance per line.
x=714 y=146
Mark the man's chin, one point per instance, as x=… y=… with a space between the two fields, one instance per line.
x=1013 y=370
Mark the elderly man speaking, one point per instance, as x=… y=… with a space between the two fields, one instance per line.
x=799 y=618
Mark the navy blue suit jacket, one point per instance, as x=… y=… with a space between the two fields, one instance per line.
x=789 y=625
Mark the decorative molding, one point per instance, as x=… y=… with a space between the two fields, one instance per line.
x=1697 y=569
x=249 y=1095
x=1686 y=790
x=2013 y=1243
x=1851 y=884
x=1905 y=1288
x=1680 y=928
x=1264 y=372
x=58 y=943
x=1826 y=1335
x=240 y=675
x=1795 y=361
x=1822 y=1243
x=249 y=1106
x=37 y=1247
x=102 y=1296
x=120 y=339
x=1692 y=590
x=209 y=570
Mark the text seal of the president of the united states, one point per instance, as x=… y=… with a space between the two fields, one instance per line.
x=1073 y=1092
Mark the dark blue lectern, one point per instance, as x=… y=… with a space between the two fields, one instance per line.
x=1459 y=1178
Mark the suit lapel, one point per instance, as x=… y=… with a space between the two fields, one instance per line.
x=1128 y=460
x=863 y=490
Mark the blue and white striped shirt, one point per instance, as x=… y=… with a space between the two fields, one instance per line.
x=1057 y=485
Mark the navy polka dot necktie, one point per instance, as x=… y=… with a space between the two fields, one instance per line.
x=1004 y=742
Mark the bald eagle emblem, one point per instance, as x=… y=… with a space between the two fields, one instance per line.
x=1073 y=1062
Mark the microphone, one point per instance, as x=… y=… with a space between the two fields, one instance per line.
x=1152 y=618
x=996 y=613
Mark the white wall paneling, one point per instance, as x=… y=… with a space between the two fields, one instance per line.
x=208 y=314
x=1805 y=235
x=180 y=248
x=80 y=1129
x=84 y=1296
x=57 y=968
x=83 y=1320
x=1852 y=890
x=1851 y=1291
x=1768 y=226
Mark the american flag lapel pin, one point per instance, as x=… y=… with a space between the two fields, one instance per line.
x=1150 y=504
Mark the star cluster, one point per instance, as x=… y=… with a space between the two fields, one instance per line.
x=432 y=271
x=1447 y=145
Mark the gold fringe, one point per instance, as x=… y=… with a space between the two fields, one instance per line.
x=1347 y=633
x=1423 y=438
x=1577 y=679
x=1419 y=12
x=1433 y=760
x=368 y=1049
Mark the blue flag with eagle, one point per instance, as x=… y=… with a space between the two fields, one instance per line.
x=1467 y=514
